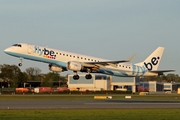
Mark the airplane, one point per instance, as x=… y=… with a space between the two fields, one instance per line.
x=60 y=61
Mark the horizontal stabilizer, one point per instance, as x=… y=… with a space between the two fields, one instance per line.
x=160 y=72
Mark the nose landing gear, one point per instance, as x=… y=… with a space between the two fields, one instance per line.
x=20 y=64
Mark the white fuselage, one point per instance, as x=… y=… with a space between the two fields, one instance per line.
x=60 y=58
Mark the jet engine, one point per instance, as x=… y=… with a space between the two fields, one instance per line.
x=75 y=66
x=55 y=68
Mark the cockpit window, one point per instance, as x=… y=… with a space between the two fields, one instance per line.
x=18 y=45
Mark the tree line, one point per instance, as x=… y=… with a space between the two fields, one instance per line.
x=163 y=78
x=12 y=76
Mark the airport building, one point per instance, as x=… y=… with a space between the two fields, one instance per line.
x=152 y=86
x=103 y=82
x=125 y=83
x=171 y=86
x=97 y=82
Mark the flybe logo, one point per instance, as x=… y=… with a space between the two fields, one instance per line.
x=45 y=52
x=154 y=61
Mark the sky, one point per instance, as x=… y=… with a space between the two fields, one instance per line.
x=110 y=29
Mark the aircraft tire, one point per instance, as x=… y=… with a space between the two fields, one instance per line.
x=88 y=76
x=20 y=64
x=76 y=77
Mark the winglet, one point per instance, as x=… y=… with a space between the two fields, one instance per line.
x=131 y=58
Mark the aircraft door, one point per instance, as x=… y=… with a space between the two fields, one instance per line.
x=30 y=49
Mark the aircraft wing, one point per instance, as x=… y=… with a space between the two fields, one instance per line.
x=104 y=63
x=96 y=65
x=160 y=72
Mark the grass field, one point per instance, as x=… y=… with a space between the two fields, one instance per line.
x=91 y=114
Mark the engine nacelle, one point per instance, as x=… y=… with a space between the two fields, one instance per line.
x=55 y=68
x=74 y=66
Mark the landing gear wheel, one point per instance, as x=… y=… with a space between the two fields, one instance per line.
x=76 y=77
x=88 y=76
x=20 y=64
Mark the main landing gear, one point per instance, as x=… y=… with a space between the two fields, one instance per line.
x=88 y=76
x=76 y=77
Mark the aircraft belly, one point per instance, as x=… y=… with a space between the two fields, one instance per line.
x=15 y=54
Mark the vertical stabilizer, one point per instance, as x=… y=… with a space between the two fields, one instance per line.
x=152 y=62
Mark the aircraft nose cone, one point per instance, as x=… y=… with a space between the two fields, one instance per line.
x=7 y=50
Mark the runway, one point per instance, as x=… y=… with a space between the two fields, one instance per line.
x=83 y=104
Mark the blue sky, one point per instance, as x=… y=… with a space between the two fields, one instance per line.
x=114 y=29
